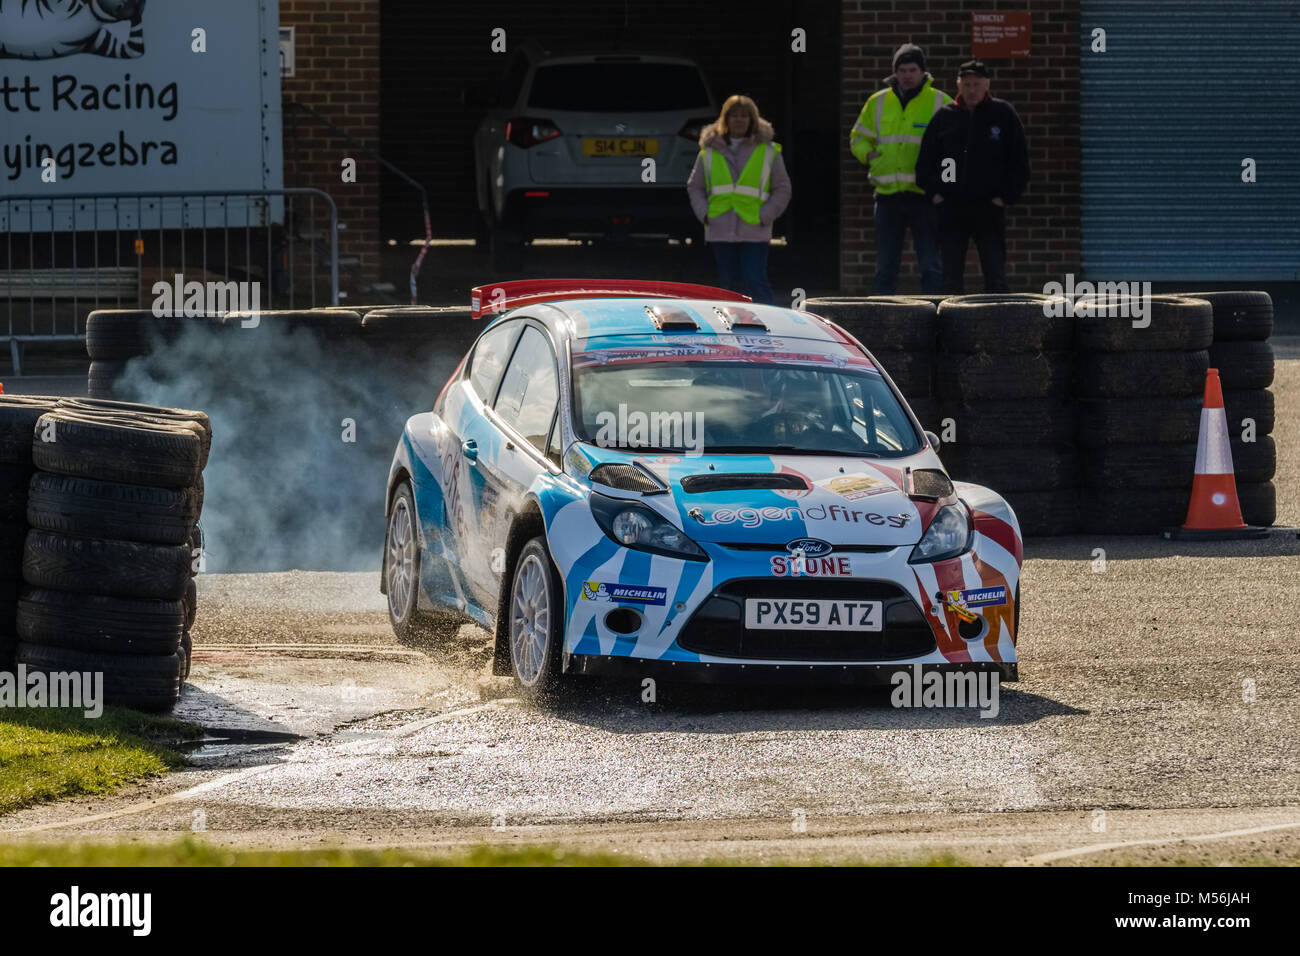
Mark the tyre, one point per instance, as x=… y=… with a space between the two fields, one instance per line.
x=535 y=622
x=881 y=323
x=191 y=602
x=1123 y=511
x=1255 y=404
x=101 y=509
x=133 y=453
x=1239 y=316
x=150 y=682
x=104 y=567
x=1009 y=468
x=1139 y=466
x=329 y=324
x=8 y=612
x=186 y=652
x=115 y=335
x=1254 y=461
x=1172 y=323
x=1005 y=324
x=1042 y=422
x=1243 y=365
x=912 y=372
x=94 y=406
x=104 y=379
x=14 y=483
x=412 y=624
x=106 y=625
x=1126 y=421
x=18 y=417
x=966 y=379
x=1046 y=513
x=450 y=328
x=1258 y=502
x=1141 y=374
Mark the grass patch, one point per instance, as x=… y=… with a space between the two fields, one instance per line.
x=52 y=754
x=190 y=852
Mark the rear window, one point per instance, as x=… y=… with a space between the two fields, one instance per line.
x=618 y=87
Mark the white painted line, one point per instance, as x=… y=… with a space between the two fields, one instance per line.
x=1155 y=841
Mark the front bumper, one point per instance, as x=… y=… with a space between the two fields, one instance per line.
x=634 y=668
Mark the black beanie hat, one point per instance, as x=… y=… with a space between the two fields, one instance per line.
x=909 y=53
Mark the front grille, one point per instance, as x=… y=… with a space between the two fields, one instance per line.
x=718 y=627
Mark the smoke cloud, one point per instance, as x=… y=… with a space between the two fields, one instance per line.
x=283 y=488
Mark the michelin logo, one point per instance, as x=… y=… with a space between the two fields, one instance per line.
x=631 y=593
x=984 y=597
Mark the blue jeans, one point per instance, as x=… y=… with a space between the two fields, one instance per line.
x=895 y=213
x=742 y=267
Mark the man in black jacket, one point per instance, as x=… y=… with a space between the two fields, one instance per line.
x=973 y=164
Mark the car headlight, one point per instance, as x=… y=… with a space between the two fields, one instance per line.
x=949 y=535
x=636 y=526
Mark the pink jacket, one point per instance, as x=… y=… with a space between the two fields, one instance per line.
x=729 y=227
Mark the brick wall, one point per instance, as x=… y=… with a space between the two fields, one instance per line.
x=1043 y=228
x=337 y=75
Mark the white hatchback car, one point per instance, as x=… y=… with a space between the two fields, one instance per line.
x=588 y=146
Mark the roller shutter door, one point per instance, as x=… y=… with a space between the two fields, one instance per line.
x=1185 y=91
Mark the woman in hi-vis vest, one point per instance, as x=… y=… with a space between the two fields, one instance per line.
x=738 y=188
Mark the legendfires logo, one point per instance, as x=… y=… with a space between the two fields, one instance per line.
x=49 y=29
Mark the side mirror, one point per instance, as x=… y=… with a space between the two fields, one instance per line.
x=932 y=438
x=480 y=97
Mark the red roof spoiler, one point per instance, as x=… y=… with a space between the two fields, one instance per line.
x=503 y=296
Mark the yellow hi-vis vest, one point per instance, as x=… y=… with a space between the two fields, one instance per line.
x=887 y=136
x=746 y=195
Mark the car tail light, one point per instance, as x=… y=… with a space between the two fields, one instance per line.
x=691 y=128
x=525 y=132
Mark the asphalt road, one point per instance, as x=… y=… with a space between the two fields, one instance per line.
x=1154 y=722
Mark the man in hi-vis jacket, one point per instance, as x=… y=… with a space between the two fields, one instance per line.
x=887 y=140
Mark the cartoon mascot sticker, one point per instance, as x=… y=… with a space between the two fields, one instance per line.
x=49 y=29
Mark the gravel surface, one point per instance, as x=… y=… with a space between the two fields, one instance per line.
x=1158 y=696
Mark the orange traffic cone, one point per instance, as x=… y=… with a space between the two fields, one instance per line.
x=1214 y=512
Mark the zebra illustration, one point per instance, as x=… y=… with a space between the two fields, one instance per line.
x=48 y=29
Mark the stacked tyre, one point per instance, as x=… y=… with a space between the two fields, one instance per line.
x=1003 y=384
x=1243 y=323
x=900 y=332
x=116 y=336
x=109 y=561
x=1140 y=382
x=18 y=418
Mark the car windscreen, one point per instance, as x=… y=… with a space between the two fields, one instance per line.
x=741 y=407
x=618 y=87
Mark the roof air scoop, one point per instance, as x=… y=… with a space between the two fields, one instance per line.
x=734 y=318
x=668 y=319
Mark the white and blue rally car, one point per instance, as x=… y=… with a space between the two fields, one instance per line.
x=662 y=479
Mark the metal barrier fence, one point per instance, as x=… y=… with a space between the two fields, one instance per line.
x=67 y=255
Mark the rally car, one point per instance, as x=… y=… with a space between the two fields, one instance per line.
x=665 y=479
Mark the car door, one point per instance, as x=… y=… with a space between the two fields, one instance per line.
x=515 y=435
x=471 y=442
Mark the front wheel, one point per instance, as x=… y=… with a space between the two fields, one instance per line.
x=535 y=622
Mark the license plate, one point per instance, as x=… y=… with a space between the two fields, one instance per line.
x=621 y=146
x=775 y=613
